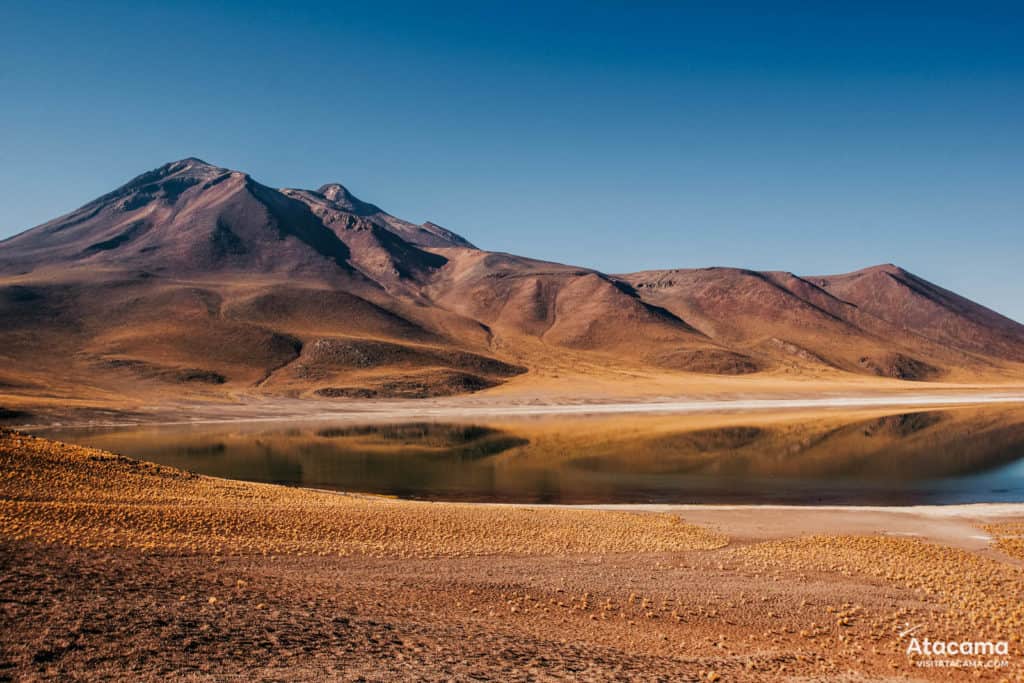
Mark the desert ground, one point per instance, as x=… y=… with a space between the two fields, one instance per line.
x=113 y=568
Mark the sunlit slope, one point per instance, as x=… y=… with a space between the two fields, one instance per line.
x=195 y=280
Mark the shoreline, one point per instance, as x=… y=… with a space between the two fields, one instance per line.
x=980 y=510
x=398 y=411
x=951 y=510
x=955 y=525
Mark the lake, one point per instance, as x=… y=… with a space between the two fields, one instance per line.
x=955 y=455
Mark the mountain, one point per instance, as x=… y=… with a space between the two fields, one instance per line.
x=880 y=320
x=197 y=281
x=191 y=217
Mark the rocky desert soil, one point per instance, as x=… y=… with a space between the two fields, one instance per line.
x=116 y=569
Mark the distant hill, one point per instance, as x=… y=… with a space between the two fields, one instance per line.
x=195 y=280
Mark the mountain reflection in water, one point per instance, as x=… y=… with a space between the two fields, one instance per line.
x=950 y=456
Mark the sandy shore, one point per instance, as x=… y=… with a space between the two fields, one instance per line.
x=497 y=406
x=715 y=406
x=115 y=568
x=954 y=525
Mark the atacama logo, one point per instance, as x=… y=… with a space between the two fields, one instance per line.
x=956 y=653
x=969 y=648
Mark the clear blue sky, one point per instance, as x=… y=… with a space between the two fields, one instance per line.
x=812 y=137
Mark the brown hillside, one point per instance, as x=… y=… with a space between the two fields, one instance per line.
x=195 y=280
x=862 y=322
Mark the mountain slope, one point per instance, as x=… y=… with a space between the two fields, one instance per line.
x=185 y=217
x=905 y=300
x=200 y=278
x=863 y=322
x=197 y=280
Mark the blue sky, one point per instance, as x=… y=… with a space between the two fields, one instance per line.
x=810 y=137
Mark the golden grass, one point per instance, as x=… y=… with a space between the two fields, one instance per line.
x=1009 y=538
x=59 y=493
x=962 y=594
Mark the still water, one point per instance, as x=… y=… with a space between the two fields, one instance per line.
x=957 y=455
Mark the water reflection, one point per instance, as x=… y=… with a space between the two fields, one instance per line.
x=428 y=439
x=956 y=455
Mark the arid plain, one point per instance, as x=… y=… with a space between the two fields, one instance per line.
x=195 y=294
x=116 y=568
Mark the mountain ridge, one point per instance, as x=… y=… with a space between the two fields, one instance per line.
x=193 y=278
